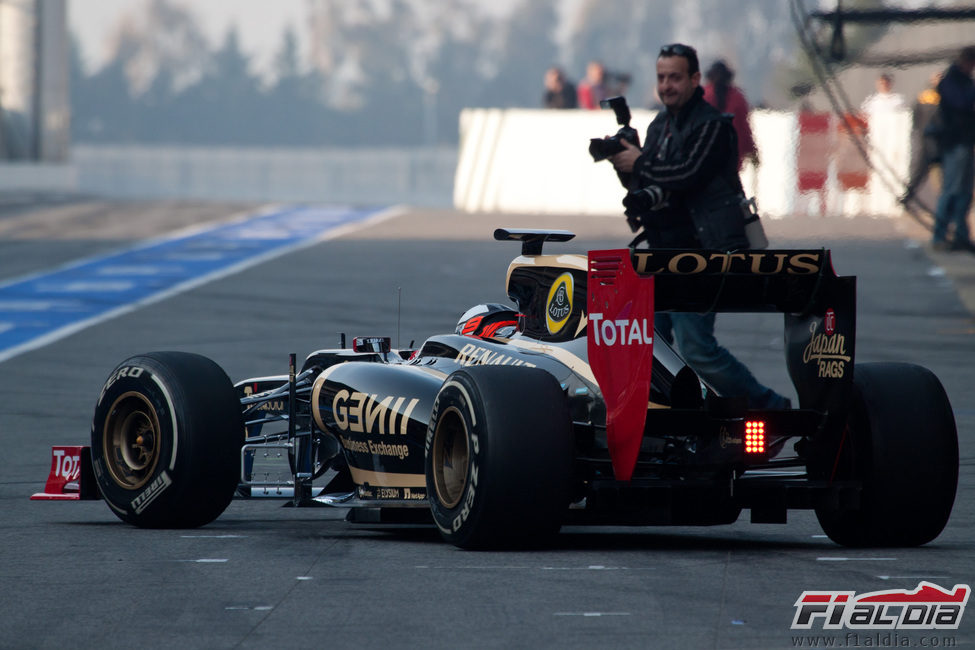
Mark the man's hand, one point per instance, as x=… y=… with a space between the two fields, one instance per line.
x=623 y=161
x=645 y=200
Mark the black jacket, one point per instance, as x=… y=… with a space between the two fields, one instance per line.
x=957 y=108
x=693 y=157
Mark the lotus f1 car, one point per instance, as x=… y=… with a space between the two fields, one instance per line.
x=566 y=411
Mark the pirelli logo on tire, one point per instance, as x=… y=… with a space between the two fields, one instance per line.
x=133 y=372
x=149 y=495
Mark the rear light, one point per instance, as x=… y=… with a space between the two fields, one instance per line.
x=755 y=437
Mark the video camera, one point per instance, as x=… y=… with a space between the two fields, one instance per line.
x=603 y=148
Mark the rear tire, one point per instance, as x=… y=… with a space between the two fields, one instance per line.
x=902 y=445
x=499 y=454
x=166 y=439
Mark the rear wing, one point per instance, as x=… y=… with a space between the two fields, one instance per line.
x=818 y=307
x=787 y=281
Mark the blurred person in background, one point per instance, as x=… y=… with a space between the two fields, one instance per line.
x=957 y=113
x=728 y=98
x=559 y=91
x=882 y=115
x=884 y=100
x=685 y=192
x=925 y=135
x=592 y=89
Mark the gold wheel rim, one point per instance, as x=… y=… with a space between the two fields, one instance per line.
x=130 y=440
x=451 y=457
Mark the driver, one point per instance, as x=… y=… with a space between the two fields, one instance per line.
x=491 y=320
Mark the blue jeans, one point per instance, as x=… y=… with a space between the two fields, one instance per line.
x=694 y=334
x=958 y=170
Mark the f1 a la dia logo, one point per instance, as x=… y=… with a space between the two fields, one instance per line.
x=558 y=307
x=928 y=607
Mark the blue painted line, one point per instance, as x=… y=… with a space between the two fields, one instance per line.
x=45 y=307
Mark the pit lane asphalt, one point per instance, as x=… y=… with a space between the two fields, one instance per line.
x=263 y=576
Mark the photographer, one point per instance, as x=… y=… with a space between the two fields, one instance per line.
x=684 y=192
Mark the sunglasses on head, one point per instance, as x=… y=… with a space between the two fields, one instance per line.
x=677 y=49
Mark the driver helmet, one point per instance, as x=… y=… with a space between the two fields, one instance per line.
x=488 y=321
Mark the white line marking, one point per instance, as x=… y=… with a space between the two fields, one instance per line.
x=207 y=560
x=593 y=567
x=189 y=256
x=144 y=269
x=856 y=559
x=485 y=567
x=213 y=536
x=592 y=614
x=86 y=286
x=73 y=328
x=914 y=577
x=304 y=578
x=39 y=305
x=183 y=233
x=501 y=567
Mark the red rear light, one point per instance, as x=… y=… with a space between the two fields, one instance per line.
x=754 y=437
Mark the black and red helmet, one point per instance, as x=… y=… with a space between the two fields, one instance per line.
x=488 y=321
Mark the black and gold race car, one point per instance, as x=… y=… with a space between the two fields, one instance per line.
x=566 y=410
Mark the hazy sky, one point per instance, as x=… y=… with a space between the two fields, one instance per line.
x=259 y=23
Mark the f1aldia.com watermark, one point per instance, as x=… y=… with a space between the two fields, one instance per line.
x=874 y=640
x=880 y=619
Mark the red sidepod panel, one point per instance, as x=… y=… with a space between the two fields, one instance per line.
x=620 y=346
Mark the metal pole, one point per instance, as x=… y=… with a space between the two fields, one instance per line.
x=884 y=16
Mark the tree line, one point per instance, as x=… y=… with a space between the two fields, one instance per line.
x=401 y=76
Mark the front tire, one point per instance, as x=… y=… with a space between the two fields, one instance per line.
x=901 y=444
x=166 y=439
x=499 y=454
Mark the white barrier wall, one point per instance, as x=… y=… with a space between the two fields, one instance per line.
x=419 y=176
x=38 y=177
x=521 y=160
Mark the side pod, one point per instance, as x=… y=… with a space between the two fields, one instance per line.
x=71 y=477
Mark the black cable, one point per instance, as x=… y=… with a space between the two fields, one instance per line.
x=842 y=107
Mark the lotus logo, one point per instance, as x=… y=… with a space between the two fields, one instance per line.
x=559 y=305
x=829 y=322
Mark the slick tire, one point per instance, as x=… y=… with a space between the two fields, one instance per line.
x=166 y=439
x=901 y=443
x=498 y=457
